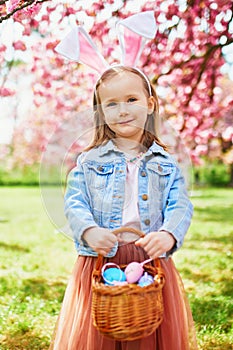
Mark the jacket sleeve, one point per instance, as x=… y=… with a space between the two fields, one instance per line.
x=77 y=204
x=178 y=209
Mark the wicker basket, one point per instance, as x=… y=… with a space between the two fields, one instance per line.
x=127 y=312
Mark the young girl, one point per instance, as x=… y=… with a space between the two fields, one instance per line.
x=126 y=177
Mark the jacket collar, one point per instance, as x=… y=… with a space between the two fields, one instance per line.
x=111 y=147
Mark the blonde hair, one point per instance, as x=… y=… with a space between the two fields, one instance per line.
x=102 y=131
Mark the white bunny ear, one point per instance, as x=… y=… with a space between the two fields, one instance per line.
x=133 y=33
x=79 y=47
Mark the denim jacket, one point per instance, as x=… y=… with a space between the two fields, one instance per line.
x=95 y=194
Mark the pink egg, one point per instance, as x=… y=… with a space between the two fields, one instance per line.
x=133 y=272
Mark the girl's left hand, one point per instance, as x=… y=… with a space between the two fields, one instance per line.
x=156 y=243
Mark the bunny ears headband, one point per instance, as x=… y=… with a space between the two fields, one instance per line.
x=133 y=32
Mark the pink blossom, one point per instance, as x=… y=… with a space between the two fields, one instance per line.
x=192 y=123
x=70 y=11
x=59 y=61
x=2 y=48
x=27 y=29
x=97 y=6
x=172 y=10
x=195 y=158
x=3 y=10
x=51 y=45
x=199 y=112
x=25 y=13
x=12 y=4
x=201 y=149
x=5 y=92
x=51 y=9
x=19 y=45
x=45 y=18
x=34 y=24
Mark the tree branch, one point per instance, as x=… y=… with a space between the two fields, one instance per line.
x=191 y=58
x=201 y=71
x=22 y=6
x=228 y=27
x=203 y=66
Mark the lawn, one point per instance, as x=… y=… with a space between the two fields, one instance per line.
x=36 y=263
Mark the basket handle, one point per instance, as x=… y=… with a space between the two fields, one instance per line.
x=128 y=229
x=100 y=258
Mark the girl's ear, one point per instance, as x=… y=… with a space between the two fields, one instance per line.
x=151 y=104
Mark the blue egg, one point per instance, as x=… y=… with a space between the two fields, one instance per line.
x=113 y=274
x=145 y=280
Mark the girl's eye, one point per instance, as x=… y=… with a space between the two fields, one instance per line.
x=111 y=104
x=132 y=99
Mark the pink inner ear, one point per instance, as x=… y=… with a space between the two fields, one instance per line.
x=89 y=55
x=132 y=43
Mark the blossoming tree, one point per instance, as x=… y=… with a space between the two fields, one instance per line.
x=187 y=61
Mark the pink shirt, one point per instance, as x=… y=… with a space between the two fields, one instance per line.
x=130 y=215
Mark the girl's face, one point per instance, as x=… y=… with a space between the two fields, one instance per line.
x=125 y=105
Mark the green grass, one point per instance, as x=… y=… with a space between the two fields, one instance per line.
x=36 y=263
x=205 y=263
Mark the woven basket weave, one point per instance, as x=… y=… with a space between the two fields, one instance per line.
x=127 y=312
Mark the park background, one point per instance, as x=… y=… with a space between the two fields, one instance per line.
x=44 y=104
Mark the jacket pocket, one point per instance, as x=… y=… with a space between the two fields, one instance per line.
x=160 y=169
x=159 y=175
x=99 y=174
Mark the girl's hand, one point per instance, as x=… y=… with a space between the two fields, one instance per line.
x=156 y=243
x=101 y=240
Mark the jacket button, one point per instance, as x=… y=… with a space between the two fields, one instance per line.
x=143 y=173
x=147 y=222
x=100 y=168
x=160 y=168
x=144 y=197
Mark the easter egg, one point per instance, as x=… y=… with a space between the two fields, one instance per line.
x=145 y=280
x=133 y=272
x=113 y=275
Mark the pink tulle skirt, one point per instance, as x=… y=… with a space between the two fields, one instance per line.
x=74 y=329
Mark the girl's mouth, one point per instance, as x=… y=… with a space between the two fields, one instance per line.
x=125 y=122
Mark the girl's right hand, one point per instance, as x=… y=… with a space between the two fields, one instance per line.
x=101 y=240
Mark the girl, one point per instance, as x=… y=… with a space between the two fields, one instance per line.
x=125 y=177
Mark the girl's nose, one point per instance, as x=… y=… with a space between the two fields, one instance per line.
x=123 y=108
